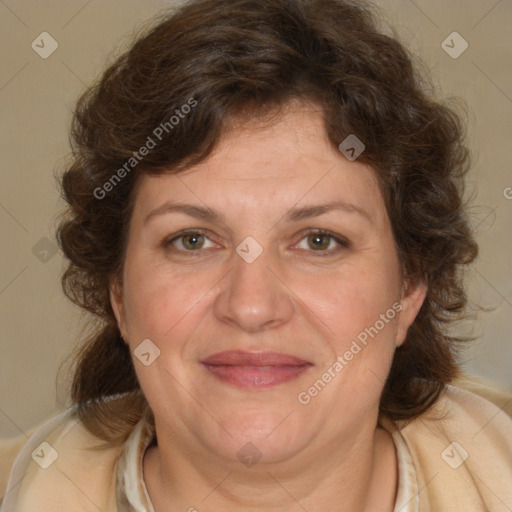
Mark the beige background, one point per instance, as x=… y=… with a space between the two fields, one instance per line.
x=39 y=327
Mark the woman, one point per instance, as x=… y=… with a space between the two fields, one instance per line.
x=266 y=217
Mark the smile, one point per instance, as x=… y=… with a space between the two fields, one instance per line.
x=255 y=370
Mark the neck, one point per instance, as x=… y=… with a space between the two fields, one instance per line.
x=348 y=476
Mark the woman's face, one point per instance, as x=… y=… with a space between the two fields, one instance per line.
x=252 y=327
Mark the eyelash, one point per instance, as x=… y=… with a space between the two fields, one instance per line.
x=342 y=242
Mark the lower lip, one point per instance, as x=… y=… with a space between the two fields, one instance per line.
x=256 y=377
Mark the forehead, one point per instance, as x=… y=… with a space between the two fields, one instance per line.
x=282 y=163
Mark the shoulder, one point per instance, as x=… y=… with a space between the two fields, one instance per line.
x=9 y=449
x=462 y=450
x=59 y=454
x=499 y=396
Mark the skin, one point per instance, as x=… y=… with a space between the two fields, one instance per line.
x=329 y=454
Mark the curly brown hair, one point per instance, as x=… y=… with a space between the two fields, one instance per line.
x=249 y=58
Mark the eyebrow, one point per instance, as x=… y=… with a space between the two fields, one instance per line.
x=293 y=215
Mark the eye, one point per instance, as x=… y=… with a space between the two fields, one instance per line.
x=322 y=242
x=190 y=241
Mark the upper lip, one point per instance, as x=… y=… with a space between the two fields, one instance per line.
x=243 y=358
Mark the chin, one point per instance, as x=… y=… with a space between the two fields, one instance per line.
x=261 y=436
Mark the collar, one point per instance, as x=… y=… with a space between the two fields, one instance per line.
x=132 y=494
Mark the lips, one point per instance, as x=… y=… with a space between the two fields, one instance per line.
x=255 y=370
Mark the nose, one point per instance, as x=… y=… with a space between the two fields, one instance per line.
x=253 y=297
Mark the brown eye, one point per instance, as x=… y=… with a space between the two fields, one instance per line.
x=319 y=241
x=194 y=241
x=191 y=241
x=323 y=242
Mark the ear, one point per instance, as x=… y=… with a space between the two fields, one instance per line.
x=117 y=303
x=413 y=296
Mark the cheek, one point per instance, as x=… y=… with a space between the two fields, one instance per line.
x=156 y=300
x=361 y=309
x=351 y=299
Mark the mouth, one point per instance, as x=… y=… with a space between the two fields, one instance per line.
x=255 y=370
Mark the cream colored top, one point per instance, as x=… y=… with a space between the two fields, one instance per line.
x=132 y=494
x=455 y=457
